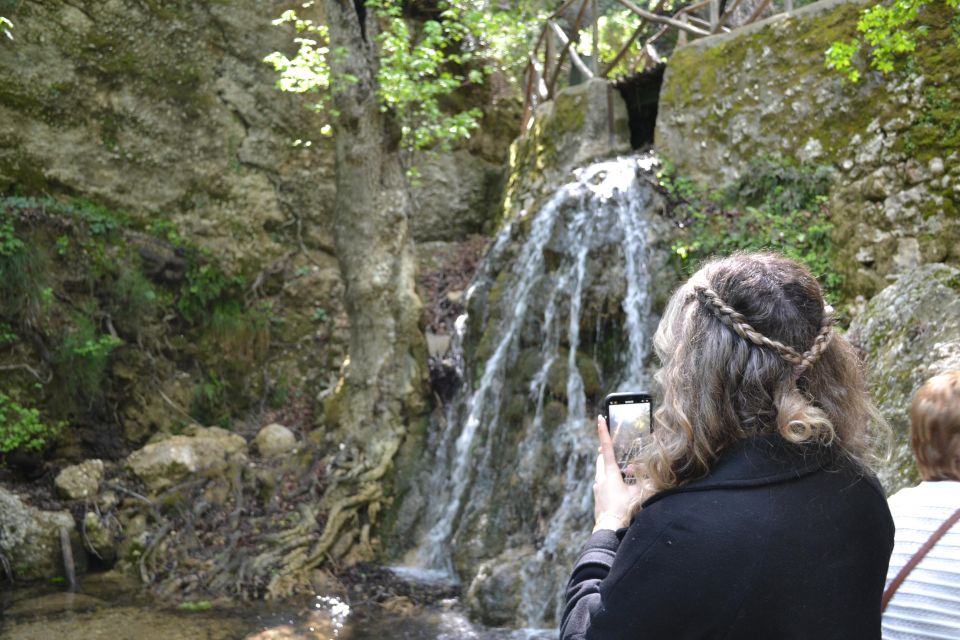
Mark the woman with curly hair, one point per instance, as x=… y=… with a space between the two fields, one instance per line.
x=755 y=514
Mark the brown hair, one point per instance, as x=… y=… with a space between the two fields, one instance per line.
x=935 y=427
x=747 y=346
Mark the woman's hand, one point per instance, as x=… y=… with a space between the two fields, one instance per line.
x=611 y=495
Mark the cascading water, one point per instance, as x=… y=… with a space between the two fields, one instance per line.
x=512 y=472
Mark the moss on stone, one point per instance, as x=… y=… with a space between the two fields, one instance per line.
x=554 y=415
x=721 y=66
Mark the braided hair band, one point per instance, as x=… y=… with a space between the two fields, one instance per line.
x=738 y=323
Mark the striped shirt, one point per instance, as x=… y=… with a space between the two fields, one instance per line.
x=927 y=604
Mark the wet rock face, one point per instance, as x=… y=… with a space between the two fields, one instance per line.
x=910 y=332
x=558 y=314
x=186 y=124
x=763 y=90
x=495 y=592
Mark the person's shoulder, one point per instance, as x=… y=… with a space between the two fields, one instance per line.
x=944 y=493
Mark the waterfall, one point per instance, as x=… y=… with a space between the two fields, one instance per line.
x=514 y=467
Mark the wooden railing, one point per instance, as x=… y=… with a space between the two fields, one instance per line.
x=555 y=52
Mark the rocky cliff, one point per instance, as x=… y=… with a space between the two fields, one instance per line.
x=173 y=208
x=166 y=110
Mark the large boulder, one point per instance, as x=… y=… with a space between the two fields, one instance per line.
x=275 y=440
x=163 y=464
x=80 y=481
x=910 y=332
x=494 y=593
x=30 y=539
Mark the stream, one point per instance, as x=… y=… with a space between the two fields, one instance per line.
x=111 y=607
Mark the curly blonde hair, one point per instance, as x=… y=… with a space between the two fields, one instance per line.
x=748 y=347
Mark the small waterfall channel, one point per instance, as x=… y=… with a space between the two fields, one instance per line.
x=559 y=315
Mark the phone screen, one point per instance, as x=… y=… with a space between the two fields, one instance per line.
x=629 y=419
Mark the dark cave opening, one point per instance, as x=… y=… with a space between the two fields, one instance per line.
x=641 y=92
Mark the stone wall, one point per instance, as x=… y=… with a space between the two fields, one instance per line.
x=764 y=90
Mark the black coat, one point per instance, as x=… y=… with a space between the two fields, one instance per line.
x=779 y=541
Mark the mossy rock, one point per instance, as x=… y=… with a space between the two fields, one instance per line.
x=554 y=415
x=910 y=332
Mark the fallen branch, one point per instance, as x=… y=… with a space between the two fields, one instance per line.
x=574 y=58
x=28 y=369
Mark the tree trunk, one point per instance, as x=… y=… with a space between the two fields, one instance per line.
x=384 y=384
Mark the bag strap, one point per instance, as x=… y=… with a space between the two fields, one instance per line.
x=917 y=557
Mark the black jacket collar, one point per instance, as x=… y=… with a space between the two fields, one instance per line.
x=755 y=461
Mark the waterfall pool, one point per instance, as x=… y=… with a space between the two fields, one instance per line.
x=109 y=608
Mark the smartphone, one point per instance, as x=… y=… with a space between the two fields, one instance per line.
x=630 y=420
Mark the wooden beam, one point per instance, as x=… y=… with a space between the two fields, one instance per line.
x=552 y=79
x=758 y=11
x=729 y=12
x=563 y=7
x=652 y=17
x=596 y=36
x=574 y=58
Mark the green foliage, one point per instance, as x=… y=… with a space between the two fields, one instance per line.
x=421 y=65
x=88 y=255
x=205 y=286
x=10 y=244
x=615 y=29
x=81 y=362
x=21 y=427
x=775 y=205
x=7 y=335
x=308 y=71
x=211 y=401
x=192 y=607
x=63 y=246
x=414 y=75
x=241 y=335
x=781 y=187
x=889 y=30
x=168 y=231
x=132 y=301
x=98 y=220
x=23 y=274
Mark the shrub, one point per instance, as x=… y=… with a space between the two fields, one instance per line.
x=21 y=427
x=211 y=401
x=206 y=286
x=23 y=275
x=81 y=362
x=132 y=301
x=776 y=205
